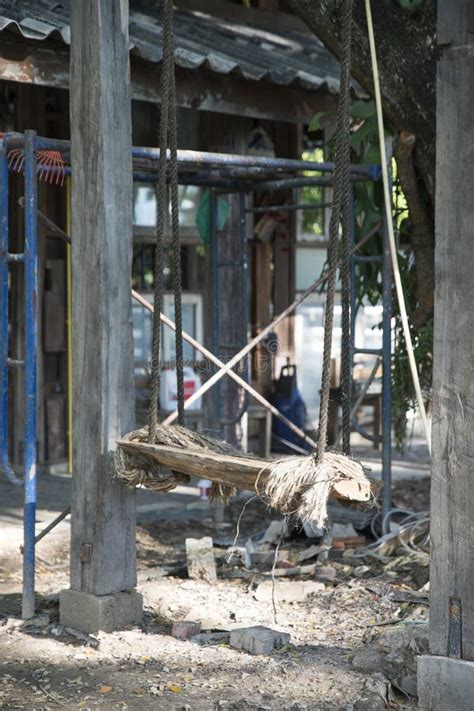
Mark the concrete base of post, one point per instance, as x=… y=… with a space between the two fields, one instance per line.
x=95 y=613
x=445 y=683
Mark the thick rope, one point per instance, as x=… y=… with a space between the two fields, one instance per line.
x=161 y=207
x=341 y=182
x=168 y=129
x=176 y=247
x=346 y=364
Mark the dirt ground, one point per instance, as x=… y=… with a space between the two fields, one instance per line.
x=353 y=640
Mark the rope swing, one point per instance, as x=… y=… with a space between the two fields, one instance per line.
x=168 y=138
x=161 y=456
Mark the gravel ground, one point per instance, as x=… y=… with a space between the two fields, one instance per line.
x=352 y=645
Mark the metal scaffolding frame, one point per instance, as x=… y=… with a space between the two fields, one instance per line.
x=222 y=173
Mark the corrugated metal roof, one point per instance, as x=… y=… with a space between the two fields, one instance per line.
x=289 y=58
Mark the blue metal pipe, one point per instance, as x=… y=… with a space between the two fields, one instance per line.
x=244 y=275
x=31 y=328
x=204 y=158
x=5 y=465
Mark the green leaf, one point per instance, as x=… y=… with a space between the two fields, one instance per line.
x=372 y=155
x=363 y=109
x=315 y=123
x=366 y=130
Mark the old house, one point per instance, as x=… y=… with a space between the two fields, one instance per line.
x=249 y=80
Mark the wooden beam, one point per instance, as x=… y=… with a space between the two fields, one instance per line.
x=452 y=490
x=46 y=63
x=103 y=512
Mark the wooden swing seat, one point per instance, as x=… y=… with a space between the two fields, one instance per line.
x=188 y=453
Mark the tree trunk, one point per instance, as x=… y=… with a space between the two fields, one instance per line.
x=407 y=54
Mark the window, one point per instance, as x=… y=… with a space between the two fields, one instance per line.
x=144 y=207
x=142 y=330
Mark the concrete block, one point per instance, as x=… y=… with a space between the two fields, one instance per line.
x=200 y=559
x=258 y=639
x=445 y=684
x=185 y=629
x=94 y=613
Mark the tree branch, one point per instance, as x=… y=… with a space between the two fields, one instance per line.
x=422 y=235
x=407 y=53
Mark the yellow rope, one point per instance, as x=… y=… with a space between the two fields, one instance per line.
x=391 y=235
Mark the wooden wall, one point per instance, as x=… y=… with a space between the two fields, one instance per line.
x=271 y=264
x=46 y=111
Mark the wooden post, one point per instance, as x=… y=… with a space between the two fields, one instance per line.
x=447 y=679
x=229 y=136
x=103 y=512
x=230 y=316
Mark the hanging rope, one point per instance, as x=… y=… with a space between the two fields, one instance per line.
x=340 y=209
x=167 y=136
x=345 y=271
x=176 y=247
x=296 y=485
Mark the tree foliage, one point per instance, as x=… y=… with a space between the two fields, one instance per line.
x=405 y=33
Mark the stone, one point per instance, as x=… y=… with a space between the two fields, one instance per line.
x=210 y=619
x=57 y=630
x=375 y=694
x=88 y=639
x=274 y=532
x=361 y=570
x=343 y=530
x=287 y=591
x=308 y=553
x=407 y=683
x=264 y=557
x=403 y=638
x=200 y=559
x=325 y=573
x=12 y=624
x=93 y=613
x=445 y=683
x=368 y=660
x=312 y=531
x=258 y=639
x=41 y=620
x=369 y=702
x=185 y=629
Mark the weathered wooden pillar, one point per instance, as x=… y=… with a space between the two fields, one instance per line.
x=103 y=566
x=232 y=312
x=446 y=678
